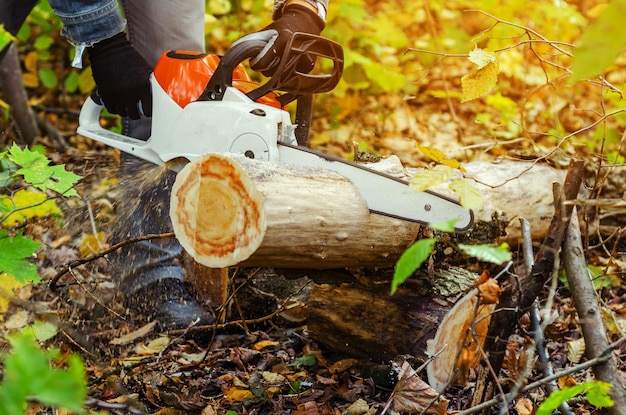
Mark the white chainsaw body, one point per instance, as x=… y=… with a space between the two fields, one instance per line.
x=233 y=125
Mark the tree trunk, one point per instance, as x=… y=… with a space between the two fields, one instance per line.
x=15 y=95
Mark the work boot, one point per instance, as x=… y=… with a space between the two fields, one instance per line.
x=150 y=273
x=169 y=302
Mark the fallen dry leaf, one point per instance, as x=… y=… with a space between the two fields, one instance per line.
x=413 y=395
x=524 y=406
x=263 y=344
x=134 y=335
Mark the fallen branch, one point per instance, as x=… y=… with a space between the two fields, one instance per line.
x=82 y=261
x=590 y=315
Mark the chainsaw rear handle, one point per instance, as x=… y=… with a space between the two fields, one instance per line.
x=89 y=126
x=293 y=83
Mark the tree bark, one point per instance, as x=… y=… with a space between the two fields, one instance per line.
x=15 y=95
x=283 y=216
x=366 y=321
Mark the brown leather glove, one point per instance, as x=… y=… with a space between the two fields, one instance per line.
x=294 y=18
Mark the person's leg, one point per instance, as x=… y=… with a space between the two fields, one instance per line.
x=151 y=272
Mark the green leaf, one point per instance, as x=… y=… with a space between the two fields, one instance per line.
x=42 y=330
x=36 y=171
x=443 y=226
x=43 y=42
x=71 y=82
x=488 y=252
x=410 y=260
x=601 y=43
x=597 y=395
x=5 y=37
x=308 y=360
x=48 y=77
x=28 y=374
x=14 y=253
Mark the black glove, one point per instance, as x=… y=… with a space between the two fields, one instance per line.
x=294 y=18
x=122 y=77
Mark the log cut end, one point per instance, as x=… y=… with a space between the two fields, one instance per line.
x=216 y=211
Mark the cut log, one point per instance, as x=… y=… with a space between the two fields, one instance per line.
x=368 y=322
x=217 y=213
x=229 y=210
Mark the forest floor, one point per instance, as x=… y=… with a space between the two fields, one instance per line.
x=261 y=361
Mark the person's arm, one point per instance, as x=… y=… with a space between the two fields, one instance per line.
x=121 y=74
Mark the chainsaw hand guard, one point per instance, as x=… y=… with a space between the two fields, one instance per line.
x=287 y=79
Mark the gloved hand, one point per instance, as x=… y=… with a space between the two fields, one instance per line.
x=294 y=18
x=122 y=77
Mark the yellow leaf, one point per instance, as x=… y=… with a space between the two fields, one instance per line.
x=154 y=347
x=30 y=80
x=26 y=204
x=469 y=196
x=90 y=245
x=235 y=394
x=437 y=156
x=482 y=57
x=428 y=178
x=265 y=343
x=86 y=84
x=30 y=62
x=479 y=82
x=7 y=285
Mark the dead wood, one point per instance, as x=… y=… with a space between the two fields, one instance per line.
x=15 y=95
x=366 y=321
x=513 y=301
x=284 y=216
x=590 y=315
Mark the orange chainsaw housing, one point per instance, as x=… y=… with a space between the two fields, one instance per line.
x=183 y=75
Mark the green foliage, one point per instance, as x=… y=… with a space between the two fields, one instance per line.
x=30 y=375
x=33 y=167
x=598 y=277
x=15 y=252
x=488 y=252
x=597 y=395
x=411 y=260
x=596 y=49
x=5 y=37
x=36 y=171
x=308 y=360
x=416 y=254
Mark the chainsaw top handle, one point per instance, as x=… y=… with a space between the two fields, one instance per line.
x=293 y=83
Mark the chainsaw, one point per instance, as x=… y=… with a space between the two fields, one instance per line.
x=204 y=104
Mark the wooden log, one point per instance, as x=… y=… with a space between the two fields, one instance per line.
x=368 y=322
x=229 y=210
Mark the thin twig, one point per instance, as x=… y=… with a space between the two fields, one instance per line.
x=606 y=355
x=82 y=261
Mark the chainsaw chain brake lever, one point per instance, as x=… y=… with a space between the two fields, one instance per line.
x=292 y=83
